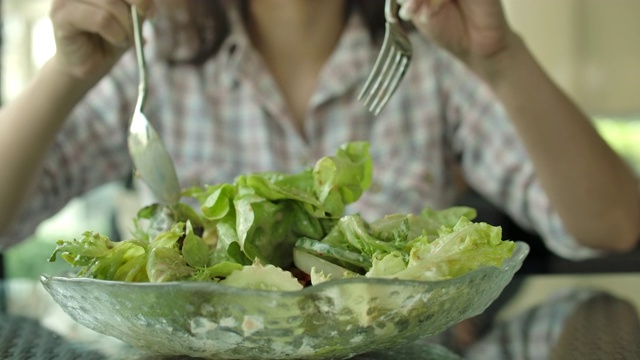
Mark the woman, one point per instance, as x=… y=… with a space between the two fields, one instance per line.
x=243 y=86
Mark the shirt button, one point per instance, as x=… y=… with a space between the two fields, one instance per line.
x=375 y=187
x=304 y=161
x=195 y=181
x=429 y=178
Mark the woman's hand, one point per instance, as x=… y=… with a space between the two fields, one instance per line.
x=474 y=30
x=92 y=34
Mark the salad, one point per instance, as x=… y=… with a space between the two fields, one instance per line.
x=283 y=232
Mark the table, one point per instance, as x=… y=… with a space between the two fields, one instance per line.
x=580 y=316
x=24 y=338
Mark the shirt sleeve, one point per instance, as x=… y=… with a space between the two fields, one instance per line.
x=494 y=160
x=89 y=150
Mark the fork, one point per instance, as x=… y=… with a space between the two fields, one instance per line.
x=391 y=64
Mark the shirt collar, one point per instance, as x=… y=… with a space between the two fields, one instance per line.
x=233 y=52
x=347 y=67
x=350 y=63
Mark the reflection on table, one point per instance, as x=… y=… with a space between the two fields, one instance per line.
x=595 y=318
x=576 y=323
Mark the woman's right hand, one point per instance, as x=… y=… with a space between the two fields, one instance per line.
x=91 y=35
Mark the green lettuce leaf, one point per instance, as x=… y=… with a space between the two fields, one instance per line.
x=228 y=231
x=257 y=217
x=465 y=247
x=262 y=277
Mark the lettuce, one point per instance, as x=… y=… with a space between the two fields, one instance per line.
x=246 y=233
x=434 y=245
x=256 y=219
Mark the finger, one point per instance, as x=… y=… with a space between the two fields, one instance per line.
x=146 y=8
x=422 y=17
x=427 y=9
x=408 y=9
x=434 y=5
x=84 y=16
x=119 y=9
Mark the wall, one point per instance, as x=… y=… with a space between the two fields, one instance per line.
x=589 y=47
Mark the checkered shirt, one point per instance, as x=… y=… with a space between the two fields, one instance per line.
x=227 y=117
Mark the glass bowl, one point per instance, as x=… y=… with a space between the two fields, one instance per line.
x=336 y=319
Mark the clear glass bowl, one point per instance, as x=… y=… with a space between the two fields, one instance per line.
x=336 y=319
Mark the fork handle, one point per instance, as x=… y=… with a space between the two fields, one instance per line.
x=391 y=11
x=142 y=64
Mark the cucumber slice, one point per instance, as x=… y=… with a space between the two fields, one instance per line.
x=306 y=261
x=348 y=259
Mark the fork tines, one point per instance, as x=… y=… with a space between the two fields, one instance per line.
x=391 y=64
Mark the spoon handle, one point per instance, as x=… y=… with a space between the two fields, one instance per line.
x=142 y=64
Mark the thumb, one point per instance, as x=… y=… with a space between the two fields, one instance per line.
x=419 y=9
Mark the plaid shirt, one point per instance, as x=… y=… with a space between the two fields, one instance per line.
x=227 y=117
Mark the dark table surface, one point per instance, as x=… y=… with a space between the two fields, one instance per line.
x=23 y=338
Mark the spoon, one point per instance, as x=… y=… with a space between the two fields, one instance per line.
x=150 y=158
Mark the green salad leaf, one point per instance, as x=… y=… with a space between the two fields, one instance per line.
x=458 y=250
x=434 y=245
x=245 y=234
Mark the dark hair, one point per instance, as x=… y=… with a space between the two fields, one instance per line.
x=209 y=25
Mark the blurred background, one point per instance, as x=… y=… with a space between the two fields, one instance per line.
x=587 y=46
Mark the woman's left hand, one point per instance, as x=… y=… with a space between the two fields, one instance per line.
x=474 y=30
